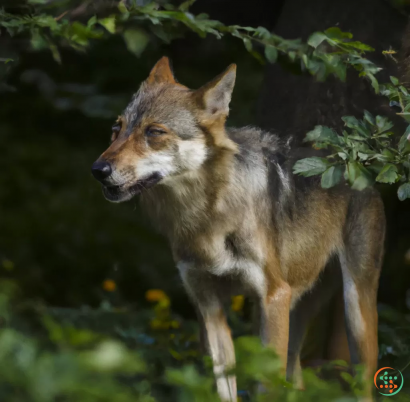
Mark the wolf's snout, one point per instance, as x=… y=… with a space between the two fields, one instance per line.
x=101 y=170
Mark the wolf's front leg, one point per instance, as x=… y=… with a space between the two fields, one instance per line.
x=217 y=336
x=215 y=333
x=274 y=320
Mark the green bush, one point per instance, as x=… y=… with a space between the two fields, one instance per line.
x=151 y=355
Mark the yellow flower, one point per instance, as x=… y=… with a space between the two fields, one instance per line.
x=237 y=303
x=109 y=285
x=155 y=295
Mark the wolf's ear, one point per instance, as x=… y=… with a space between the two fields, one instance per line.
x=161 y=72
x=215 y=96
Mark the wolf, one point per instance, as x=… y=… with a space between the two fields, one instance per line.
x=239 y=222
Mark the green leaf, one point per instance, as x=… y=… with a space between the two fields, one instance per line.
x=82 y=33
x=337 y=33
x=92 y=21
x=374 y=82
x=364 y=156
x=263 y=32
x=248 y=44
x=258 y=57
x=356 y=137
x=310 y=166
x=367 y=66
x=369 y=118
x=394 y=80
x=359 y=126
x=165 y=35
x=38 y=41
x=335 y=64
x=343 y=155
x=332 y=176
x=108 y=24
x=317 y=68
x=316 y=39
x=123 y=8
x=385 y=156
x=323 y=134
x=388 y=174
x=340 y=71
x=55 y=52
x=359 y=46
x=271 y=53
x=347 y=377
x=46 y=21
x=403 y=90
x=136 y=40
x=403 y=191
x=350 y=121
x=376 y=167
x=384 y=90
x=358 y=176
x=404 y=143
x=185 y=5
x=383 y=124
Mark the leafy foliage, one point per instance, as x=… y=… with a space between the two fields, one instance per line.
x=366 y=148
x=325 y=53
x=364 y=151
x=138 y=360
x=69 y=358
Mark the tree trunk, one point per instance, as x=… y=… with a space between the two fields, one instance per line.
x=294 y=104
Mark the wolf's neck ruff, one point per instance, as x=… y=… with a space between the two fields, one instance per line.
x=186 y=204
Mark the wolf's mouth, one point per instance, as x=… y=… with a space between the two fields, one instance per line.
x=125 y=192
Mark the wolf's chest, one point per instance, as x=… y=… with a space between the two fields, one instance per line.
x=223 y=257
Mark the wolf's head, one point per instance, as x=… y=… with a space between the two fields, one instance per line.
x=167 y=130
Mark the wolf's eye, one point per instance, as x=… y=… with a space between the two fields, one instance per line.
x=116 y=128
x=154 y=131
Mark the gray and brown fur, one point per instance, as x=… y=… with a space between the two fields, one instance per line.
x=239 y=222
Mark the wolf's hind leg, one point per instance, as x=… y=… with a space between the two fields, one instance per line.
x=360 y=300
x=361 y=261
x=309 y=305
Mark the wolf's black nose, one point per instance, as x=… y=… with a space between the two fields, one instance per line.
x=101 y=170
